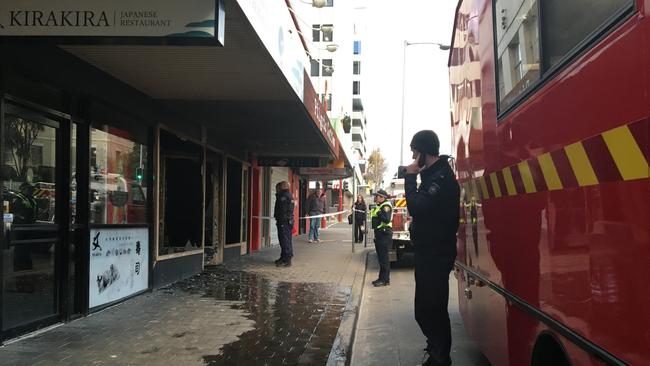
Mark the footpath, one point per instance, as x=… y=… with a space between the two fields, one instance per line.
x=387 y=333
x=246 y=312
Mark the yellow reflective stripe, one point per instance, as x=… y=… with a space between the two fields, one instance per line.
x=495 y=185
x=510 y=183
x=484 y=189
x=527 y=177
x=626 y=153
x=549 y=171
x=580 y=164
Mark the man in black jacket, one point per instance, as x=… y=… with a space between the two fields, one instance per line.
x=434 y=208
x=283 y=213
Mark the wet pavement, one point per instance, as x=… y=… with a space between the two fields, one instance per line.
x=387 y=333
x=244 y=313
x=294 y=323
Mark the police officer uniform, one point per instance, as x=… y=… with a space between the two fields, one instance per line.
x=382 y=216
x=283 y=213
x=434 y=208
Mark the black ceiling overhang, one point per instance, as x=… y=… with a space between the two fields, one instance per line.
x=271 y=128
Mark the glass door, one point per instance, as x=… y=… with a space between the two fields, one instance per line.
x=31 y=240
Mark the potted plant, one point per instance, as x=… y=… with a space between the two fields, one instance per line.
x=347 y=123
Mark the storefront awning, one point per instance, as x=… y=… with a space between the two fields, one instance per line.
x=250 y=91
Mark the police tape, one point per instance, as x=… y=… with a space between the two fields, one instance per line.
x=304 y=217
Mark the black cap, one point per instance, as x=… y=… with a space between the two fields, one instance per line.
x=426 y=141
x=381 y=192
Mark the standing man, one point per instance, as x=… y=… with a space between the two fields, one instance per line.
x=382 y=223
x=434 y=208
x=315 y=207
x=283 y=213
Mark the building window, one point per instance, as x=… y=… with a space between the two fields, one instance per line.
x=356 y=87
x=356 y=67
x=329 y=3
x=328 y=37
x=357 y=105
x=315 y=33
x=327 y=67
x=118 y=190
x=356 y=122
x=357 y=47
x=327 y=103
x=315 y=67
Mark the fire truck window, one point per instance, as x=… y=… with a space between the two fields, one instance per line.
x=517 y=48
x=118 y=191
x=565 y=24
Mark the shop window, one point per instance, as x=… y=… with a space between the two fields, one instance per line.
x=566 y=24
x=213 y=205
x=118 y=188
x=234 y=202
x=181 y=195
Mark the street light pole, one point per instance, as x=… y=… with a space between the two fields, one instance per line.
x=401 y=138
x=407 y=43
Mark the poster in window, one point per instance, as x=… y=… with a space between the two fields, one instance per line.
x=119 y=263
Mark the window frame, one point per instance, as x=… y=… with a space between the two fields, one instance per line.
x=358 y=64
x=546 y=75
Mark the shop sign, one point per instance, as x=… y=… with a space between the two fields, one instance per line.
x=288 y=161
x=119 y=263
x=325 y=173
x=116 y=18
x=319 y=116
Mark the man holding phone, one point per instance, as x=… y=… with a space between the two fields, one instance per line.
x=434 y=208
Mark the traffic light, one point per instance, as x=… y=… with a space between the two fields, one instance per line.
x=139 y=174
x=345 y=185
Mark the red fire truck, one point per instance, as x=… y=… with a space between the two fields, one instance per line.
x=550 y=114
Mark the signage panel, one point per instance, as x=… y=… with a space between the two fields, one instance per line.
x=117 y=18
x=119 y=264
x=319 y=116
x=288 y=162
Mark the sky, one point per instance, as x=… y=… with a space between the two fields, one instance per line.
x=427 y=104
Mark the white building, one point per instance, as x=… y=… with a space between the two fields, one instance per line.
x=337 y=76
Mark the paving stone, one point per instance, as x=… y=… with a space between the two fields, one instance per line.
x=247 y=312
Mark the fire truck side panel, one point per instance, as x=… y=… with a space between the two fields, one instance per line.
x=555 y=196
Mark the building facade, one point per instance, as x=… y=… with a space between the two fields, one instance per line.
x=138 y=147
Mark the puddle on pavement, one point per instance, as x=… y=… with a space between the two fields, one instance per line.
x=295 y=323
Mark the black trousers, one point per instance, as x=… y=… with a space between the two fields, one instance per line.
x=431 y=299
x=383 y=241
x=358 y=233
x=284 y=236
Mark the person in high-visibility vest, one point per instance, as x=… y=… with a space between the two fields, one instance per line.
x=382 y=223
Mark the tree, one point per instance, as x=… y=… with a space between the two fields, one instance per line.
x=376 y=169
x=21 y=135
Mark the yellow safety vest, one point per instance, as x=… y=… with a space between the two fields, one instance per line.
x=375 y=212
